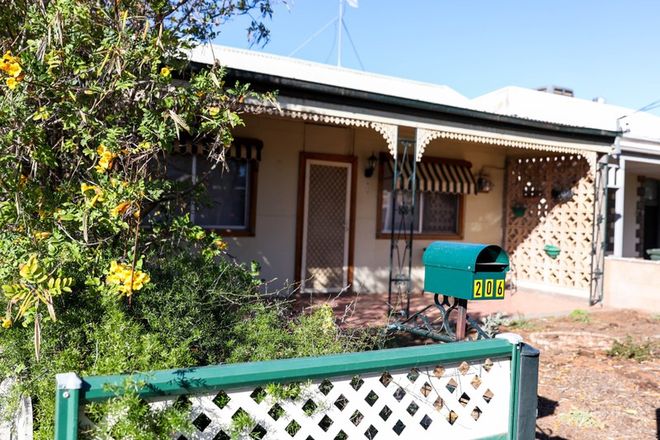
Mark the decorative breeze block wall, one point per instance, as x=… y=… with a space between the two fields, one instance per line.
x=533 y=182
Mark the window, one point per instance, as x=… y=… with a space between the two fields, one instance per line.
x=438 y=214
x=227 y=201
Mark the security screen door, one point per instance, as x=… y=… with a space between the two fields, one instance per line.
x=326 y=225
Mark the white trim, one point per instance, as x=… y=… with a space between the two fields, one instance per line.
x=428 y=129
x=347 y=224
x=619 y=210
x=633 y=260
x=550 y=288
x=648 y=160
x=68 y=381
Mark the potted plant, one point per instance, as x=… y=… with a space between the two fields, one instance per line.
x=654 y=254
x=551 y=251
x=518 y=209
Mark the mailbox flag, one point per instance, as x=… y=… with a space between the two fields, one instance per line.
x=352 y=3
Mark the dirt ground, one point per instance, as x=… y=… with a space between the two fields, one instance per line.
x=586 y=394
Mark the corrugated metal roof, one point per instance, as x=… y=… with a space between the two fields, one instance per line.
x=425 y=94
x=276 y=65
x=541 y=106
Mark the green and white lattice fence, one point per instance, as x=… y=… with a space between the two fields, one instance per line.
x=465 y=390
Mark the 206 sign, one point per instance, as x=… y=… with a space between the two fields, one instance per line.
x=488 y=289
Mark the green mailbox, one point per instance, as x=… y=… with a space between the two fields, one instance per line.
x=465 y=270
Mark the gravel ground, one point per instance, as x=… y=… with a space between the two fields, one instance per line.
x=583 y=392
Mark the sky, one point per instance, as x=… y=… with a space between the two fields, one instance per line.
x=598 y=48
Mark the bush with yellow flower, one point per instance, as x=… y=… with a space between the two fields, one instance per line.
x=102 y=271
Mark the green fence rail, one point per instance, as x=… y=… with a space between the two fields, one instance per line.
x=438 y=366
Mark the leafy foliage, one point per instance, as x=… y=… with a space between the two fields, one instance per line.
x=579 y=315
x=102 y=273
x=629 y=349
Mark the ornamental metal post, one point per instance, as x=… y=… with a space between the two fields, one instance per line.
x=599 y=232
x=402 y=225
x=67 y=400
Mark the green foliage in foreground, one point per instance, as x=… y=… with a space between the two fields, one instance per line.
x=629 y=349
x=579 y=315
x=101 y=272
x=211 y=313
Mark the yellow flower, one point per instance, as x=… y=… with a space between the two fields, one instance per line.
x=107 y=157
x=220 y=244
x=98 y=192
x=165 y=72
x=126 y=280
x=42 y=235
x=120 y=209
x=6 y=323
x=14 y=70
x=11 y=83
x=213 y=111
x=9 y=64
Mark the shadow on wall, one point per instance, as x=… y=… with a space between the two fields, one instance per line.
x=549 y=201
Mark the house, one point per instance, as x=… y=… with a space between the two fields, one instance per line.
x=633 y=213
x=308 y=193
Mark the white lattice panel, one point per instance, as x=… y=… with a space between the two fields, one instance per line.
x=465 y=400
x=566 y=224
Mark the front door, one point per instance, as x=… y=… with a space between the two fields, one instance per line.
x=326 y=222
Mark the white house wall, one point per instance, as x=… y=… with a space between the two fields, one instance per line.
x=273 y=245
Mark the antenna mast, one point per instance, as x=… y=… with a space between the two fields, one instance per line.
x=341 y=27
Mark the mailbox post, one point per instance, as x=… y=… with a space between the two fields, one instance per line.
x=464 y=271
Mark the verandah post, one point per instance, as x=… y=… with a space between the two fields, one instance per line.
x=67 y=401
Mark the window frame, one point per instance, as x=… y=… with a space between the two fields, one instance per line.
x=251 y=202
x=460 y=220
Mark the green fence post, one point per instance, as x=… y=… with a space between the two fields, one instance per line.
x=67 y=400
x=515 y=341
x=524 y=387
x=528 y=380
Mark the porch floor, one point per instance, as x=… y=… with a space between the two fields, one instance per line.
x=360 y=310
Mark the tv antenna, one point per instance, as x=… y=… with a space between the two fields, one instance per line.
x=341 y=28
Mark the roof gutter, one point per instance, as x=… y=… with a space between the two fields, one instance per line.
x=296 y=88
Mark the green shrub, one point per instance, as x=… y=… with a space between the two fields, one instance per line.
x=521 y=323
x=581 y=419
x=197 y=302
x=271 y=332
x=101 y=273
x=579 y=315
x=629 y=349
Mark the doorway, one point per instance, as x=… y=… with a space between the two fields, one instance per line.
x=326 y=218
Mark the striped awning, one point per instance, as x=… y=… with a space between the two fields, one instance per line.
x=437 y=176
x=240 y=148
